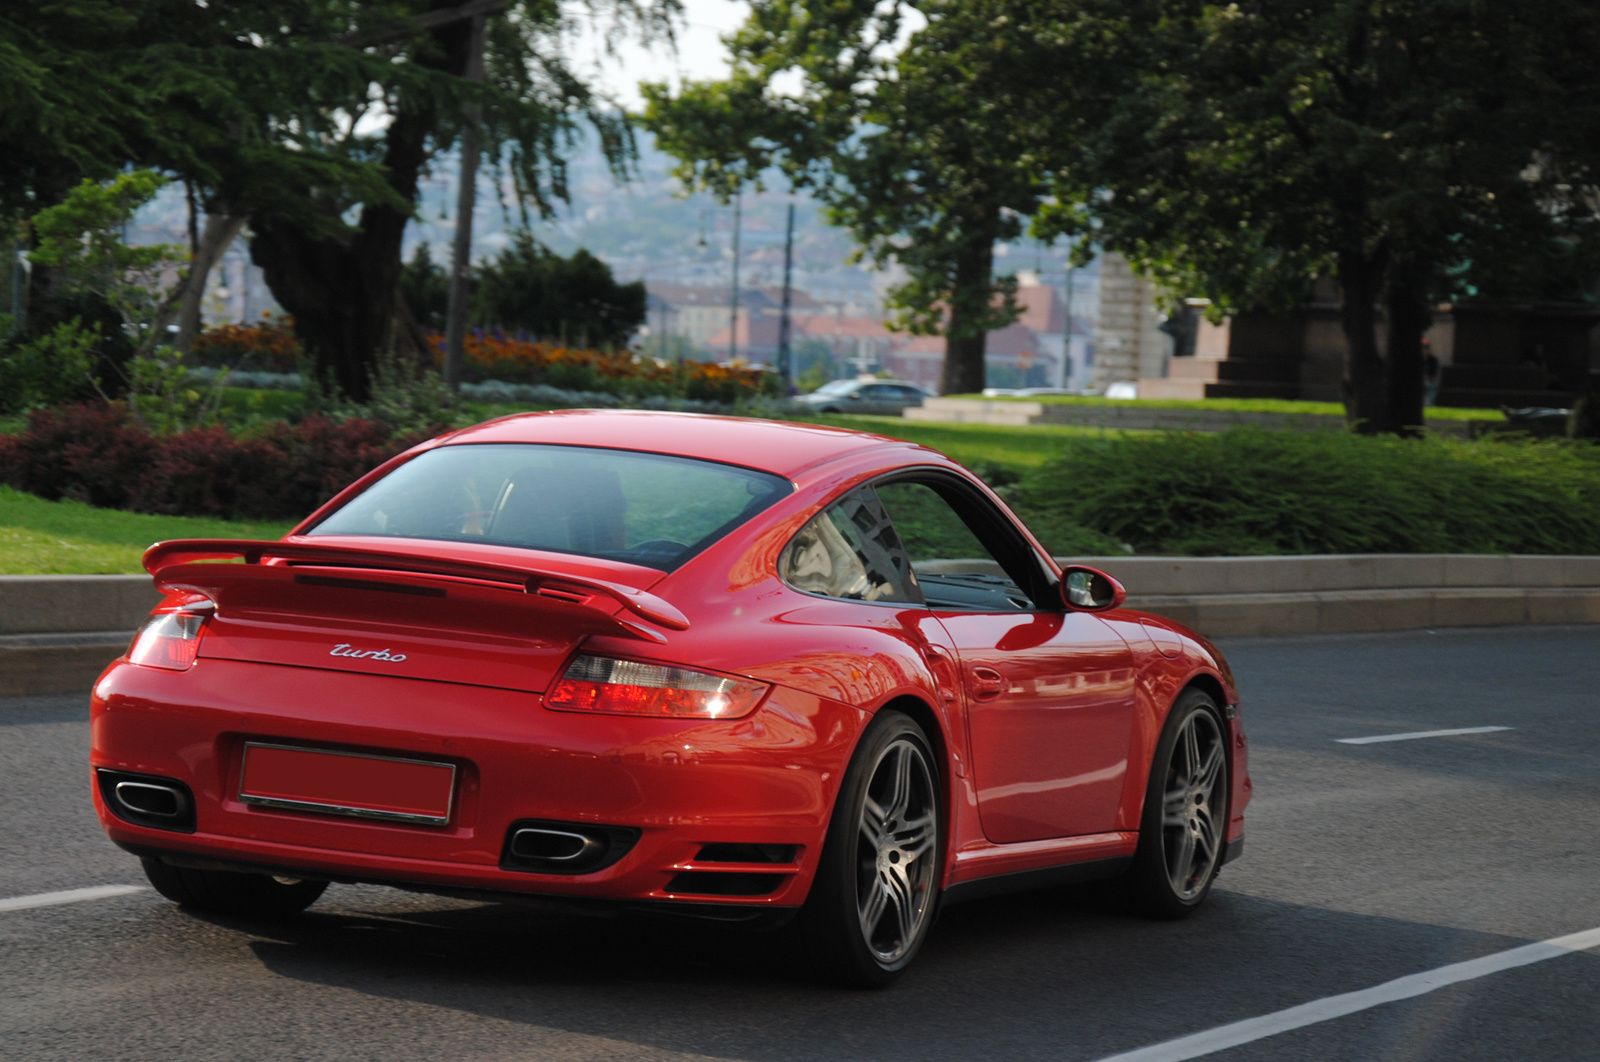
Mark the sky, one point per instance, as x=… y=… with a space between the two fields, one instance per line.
x=699 y=55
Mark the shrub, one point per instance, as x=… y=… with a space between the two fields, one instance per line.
x=1250 y=491
x=96 y=453
x=92 y=453
x=58 y=366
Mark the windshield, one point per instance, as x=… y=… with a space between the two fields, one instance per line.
x=837 y=387
x=647 y=509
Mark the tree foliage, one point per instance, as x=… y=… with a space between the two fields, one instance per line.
x=910 y=134
x=528 y=288
x=572 y=299
x=1416 y=150
x=316 y=118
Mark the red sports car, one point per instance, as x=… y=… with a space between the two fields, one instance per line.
x=725 y=667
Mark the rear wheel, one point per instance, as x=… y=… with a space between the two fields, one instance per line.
x=1185 y=812
x=878 y=882
x=223 y=892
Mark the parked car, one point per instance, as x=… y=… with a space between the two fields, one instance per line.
x=863 y=396
x=709 y=666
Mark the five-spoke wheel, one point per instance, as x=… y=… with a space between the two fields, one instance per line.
x=1190 y=831
x=894 y=851
x=877 y=883
x=1181 y=836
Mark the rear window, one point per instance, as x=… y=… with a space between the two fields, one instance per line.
x=647 y=509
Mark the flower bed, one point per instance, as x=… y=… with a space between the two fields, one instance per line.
x=268 y=347
x=497 y=357
x=272 y=348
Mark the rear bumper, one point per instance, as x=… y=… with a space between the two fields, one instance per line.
x=768 y=779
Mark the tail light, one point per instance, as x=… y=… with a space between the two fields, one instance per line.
x=628 y=687
x=170 y=640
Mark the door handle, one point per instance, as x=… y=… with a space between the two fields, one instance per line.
x=985 y=683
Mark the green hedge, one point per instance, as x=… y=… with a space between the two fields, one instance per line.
x=1249 y=491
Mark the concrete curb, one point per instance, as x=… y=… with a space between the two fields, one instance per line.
x=57 y=632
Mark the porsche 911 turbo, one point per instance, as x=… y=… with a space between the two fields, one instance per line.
x=721 y=667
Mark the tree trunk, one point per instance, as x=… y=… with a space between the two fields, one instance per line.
x=341 y=290
x=1363 y=386
x=1409 y=319
x=966 y=335
x=219 y=234
x=1585 y=420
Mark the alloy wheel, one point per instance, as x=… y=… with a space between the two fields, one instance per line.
x=1193 y=801
x=895 y=851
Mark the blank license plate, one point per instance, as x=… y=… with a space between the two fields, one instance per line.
x=347 y=783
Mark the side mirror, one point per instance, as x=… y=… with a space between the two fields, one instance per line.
x=1090 y=590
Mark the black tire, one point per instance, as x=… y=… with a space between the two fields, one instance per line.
x=855 y=873
x=1171 y=876
x=222 y=892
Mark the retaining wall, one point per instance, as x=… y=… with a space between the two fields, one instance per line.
x=1132 y=417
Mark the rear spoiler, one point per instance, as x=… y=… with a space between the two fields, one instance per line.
x=188 y=565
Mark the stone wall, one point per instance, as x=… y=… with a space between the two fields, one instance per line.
x=1129 y=343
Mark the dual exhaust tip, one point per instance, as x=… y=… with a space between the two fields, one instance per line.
x=147 y=800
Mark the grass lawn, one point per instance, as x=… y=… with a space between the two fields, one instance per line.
x=39 y=537
x=1016 y=447
x=1236 y=405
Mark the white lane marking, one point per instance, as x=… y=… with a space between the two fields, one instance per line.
x=52 y=899
x=1320 y=1010
x=1420 y=734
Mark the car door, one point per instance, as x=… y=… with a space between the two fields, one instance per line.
x=880 y=398
x=1049 y=691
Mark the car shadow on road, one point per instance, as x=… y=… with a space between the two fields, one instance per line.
x=1034 y=975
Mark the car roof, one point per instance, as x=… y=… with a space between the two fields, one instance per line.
x=778 y=447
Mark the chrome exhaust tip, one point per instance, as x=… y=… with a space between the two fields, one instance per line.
x=556 y=846
x=150 y=798
x=146 y=800
x=544 y=847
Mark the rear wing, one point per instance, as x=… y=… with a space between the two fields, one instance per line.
x=191 y=565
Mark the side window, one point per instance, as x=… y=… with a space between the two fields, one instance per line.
x=851 y=551
x=953 y=568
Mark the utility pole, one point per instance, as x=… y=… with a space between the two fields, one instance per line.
x=733 y=295
x=455 y=355
x=785 y=361
x=1066 y=353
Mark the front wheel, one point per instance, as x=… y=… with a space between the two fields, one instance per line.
x=1185 y=812
x=878 y=881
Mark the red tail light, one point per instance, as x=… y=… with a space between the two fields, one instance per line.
x=628 y=687
x=170 y=640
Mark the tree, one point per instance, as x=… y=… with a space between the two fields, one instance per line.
x=340 y=281
x=917 y=149
x=575 y=299
x=313 y=118
x=425 y=286
x=90 y=87
x=1414 y=149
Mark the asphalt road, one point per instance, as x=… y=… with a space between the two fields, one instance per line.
x=1364 y=863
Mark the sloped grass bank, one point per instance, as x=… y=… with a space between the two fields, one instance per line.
x=39 y=537
x=1249 y=491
